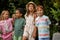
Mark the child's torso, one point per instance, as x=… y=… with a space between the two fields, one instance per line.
x=18 y=24
x=41 y=21
x=4 y=25
x=29 y=24
x=43 y=27
x=29 y=20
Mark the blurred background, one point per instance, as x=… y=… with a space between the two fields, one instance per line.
x=51 y=9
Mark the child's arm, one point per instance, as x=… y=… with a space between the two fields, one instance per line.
x=34 y=32
x=11 y=25
x=35 y=28
x=35 y=16
x=24 y=24
x=12 y=21
x=48 y=21
x=0 y=31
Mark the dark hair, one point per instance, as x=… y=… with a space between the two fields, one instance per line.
x=21 y=10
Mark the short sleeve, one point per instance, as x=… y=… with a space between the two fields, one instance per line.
x=24 y=22
x=11 y=19
x=36 y=23
x=48 y=21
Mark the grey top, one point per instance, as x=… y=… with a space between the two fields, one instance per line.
x=56 y=36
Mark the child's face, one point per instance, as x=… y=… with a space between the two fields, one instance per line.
x=31 y=7
x=6 y=15
x=18 y=14
x=39 y=11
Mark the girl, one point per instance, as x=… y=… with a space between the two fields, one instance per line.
x=6 y=26
x=19 y=24
x=29 y=27
x=42 y=23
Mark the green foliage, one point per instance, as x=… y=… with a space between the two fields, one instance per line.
x=51 y=9
x=13 y=4
x=56 y=14
x=56 y=11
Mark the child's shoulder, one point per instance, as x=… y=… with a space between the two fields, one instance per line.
x=10 y=19
x=1 y=21
x=45 y=16
x=22 y=19
x=37 y=18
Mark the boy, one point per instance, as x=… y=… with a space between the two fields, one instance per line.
x=42 y=22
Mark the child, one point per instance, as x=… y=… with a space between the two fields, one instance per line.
x=56 y=36
x=29 y=16
x=42 y=22
x=6 y=26
x=19 y=24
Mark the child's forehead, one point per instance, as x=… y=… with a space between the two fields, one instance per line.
x=39 y=6
x=6 y=12
x=17 y=11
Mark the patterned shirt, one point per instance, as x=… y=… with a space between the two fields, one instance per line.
x=43 y=26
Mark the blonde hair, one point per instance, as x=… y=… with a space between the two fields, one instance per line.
x=3 y=12
x=34 y=6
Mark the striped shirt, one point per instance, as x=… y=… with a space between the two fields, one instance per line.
x=43 y=26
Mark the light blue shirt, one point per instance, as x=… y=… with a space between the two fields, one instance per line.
x=43 y=26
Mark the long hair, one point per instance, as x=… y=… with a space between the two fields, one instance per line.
x=27 y=6
x=3 y=12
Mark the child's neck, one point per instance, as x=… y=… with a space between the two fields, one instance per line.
x=31 y=13
x=41 y=15
x=19 y=17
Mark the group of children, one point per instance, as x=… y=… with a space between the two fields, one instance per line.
x=25 y=28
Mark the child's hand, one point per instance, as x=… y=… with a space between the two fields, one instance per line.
x=34 y=35
x=34 y=32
